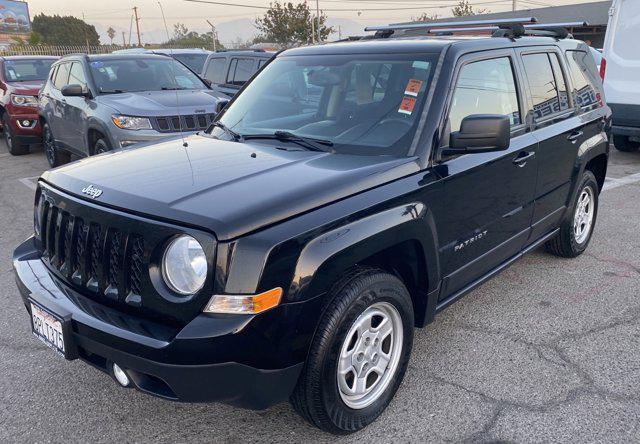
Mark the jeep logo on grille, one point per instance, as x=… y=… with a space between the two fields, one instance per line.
x=92 y=191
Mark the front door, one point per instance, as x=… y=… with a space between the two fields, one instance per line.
x=74 y=112
x=488 y=197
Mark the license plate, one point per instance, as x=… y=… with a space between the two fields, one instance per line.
x=48 y=328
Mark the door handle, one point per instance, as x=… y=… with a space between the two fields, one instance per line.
x=574 y=136
x=522 y=158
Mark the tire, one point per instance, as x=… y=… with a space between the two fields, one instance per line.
x=622 y=143
x=55 y=156
x=363 y=297
x=15 y=147
x=574 y=235
x=101 y=146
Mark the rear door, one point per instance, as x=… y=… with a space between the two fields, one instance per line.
x=488 y=197
x=559 y=135
x=240 y=70
x=57 y=103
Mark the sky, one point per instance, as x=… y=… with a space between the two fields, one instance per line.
x=235 y=22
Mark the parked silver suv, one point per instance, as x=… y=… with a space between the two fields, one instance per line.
x=95 y=103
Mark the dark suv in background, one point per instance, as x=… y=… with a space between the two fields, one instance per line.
x=228 y=71
x=21 y=78
x=289 y=251
x=94 y=103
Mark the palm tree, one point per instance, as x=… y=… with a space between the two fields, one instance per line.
x=111 y=33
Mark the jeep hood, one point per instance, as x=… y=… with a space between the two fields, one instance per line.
x=31 y=88
x=228 y=188
x=161 y=103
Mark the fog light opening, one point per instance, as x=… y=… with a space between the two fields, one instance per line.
x=121 y=376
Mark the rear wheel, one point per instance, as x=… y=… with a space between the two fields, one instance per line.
x=55 y=156
x=14 y=145
x=622 y=143
x=101 y=146
x=576 y=230
x=359 y=353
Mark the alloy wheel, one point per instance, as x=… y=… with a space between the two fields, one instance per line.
x=369 y=355
x=583 y=216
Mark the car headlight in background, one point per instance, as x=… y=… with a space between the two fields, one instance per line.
x=131 y=122
x=184 y=265
x=24 y=100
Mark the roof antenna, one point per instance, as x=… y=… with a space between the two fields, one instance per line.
x=173 y=71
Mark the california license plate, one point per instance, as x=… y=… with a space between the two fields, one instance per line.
x=48 y=328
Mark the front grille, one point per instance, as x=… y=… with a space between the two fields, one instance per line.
x=192 y=122
x=112 y=257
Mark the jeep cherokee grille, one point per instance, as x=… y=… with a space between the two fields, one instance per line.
x=193 y=122
x=106 y=255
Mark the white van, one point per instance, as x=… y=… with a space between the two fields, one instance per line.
x=620 y=70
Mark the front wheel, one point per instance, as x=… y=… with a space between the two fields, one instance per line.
x=576 y=230
x=101 y=146
x=15 y=147
x=55 y=156
x=359 y=353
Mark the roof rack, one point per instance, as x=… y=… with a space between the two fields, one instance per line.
x=558 y=30
x=433 y=25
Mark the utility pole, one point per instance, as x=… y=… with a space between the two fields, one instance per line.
x=318 y=19
x=135 y=12
x=213 y=35
x=313 y=31
x=124 y=41
x=514 y=5
x=86 y=39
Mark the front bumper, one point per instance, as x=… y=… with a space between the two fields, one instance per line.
x=180 y=364
x=30 y=133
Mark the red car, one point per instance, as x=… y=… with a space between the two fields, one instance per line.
x=21 y=78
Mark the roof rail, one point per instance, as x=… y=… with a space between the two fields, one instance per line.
x=433 y=25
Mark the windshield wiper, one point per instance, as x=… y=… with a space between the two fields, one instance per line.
x=112 y=91
x=236 y=137
x=172 y=88
x=286 y=136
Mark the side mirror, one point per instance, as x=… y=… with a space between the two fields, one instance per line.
x=220 y=105
x=75 y=90
x=480 y=133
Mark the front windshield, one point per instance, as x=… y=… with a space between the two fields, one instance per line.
x=27 y=70
x=364 y=104
x=193 y=61
x=143 y=74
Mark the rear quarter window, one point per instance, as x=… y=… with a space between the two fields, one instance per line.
x=585 y=78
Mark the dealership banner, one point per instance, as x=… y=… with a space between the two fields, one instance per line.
x=14 y=17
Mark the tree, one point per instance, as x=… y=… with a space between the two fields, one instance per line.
x=34 y=38
x=464 y=8
x=424 y=17
x=111 y=33
x=58 y=30
x=182 y=37
x=288 y=24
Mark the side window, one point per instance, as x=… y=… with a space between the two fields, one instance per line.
x=583 y=78
x=561 y=84
x=547 y=89
x=62 y=75
x=52 y=74
x=76 y=75
x=240 y=71
x=485 y=87
x=215 y=70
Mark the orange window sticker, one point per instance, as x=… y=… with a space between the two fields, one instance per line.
x=406 y=107
x=413 y=87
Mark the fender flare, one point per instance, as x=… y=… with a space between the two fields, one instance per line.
x=98 y=125
x=327 y=256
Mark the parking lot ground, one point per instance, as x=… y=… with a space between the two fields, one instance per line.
x=549 y=350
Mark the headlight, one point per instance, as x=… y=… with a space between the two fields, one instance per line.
x=131 y=122
x=24 y=100
x=184 y=265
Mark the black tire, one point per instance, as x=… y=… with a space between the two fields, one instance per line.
x=565 y=244
x=622 y=143
x=15 y=147
x=55 y=156
x=317 y=396
x=101 y=146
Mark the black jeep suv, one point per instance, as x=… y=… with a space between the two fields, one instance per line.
x=348 y=194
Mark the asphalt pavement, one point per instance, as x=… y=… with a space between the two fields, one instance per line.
x=549 y=350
